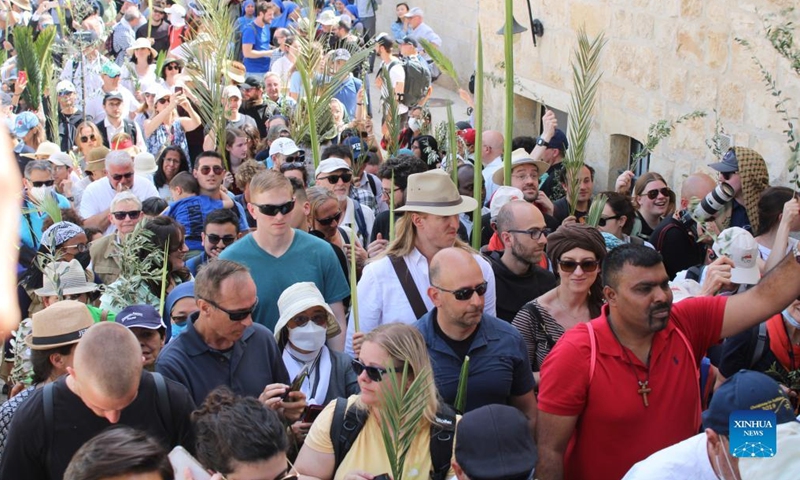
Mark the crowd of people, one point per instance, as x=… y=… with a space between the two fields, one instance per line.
x=252 y=309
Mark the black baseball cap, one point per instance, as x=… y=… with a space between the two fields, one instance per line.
x=251 y=82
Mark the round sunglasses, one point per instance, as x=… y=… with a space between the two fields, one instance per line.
x=653 y=194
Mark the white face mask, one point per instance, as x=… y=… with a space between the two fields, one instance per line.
x=310 y=337
x=414 y=124
x=37 y=194
x=789 y=318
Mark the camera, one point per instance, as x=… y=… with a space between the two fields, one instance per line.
x=714 y=202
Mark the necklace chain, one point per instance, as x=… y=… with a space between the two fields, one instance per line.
x=644 y=385
x=564 y=307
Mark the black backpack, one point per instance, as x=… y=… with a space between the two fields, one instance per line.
x=417 y=82
x=348 y=422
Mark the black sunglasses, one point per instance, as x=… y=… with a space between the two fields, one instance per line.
x=334 y=179
x=374 y=373
x=727 y=175
x=535 y=233
x=206 y=169
x=44 y=183
x=569 y=266
x=603 y=220
x=286 y=166
x=162 y=101
x=126 y=176
x=234 y=315
x=272 y=210
x=653 y=194
x=181 y=318
x=327 y=221
x=132 y=214
x=320 y=319
x=85 y=139
x=226 y=239
x=463 y=294
x=172 y=66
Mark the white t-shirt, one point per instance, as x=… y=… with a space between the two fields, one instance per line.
x=687 y=460
x=94 y=104
x=282 y=66
x=98 y=195
x=764 y=252
x=397 y=74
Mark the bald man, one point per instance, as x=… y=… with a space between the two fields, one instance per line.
x=517 y=271
x=105 y=386
x=492 y=160
x=499 y=371
x=676 y=237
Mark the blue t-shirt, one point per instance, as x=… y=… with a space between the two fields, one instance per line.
x=259 y=38
x=308 y=259
x=348 y=95
x=30 y=225
x=191 y=213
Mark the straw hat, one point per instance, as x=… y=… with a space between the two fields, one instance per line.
x=144 y=163
x=72 y=277
x=520 y=156
x=43 y=151
x=62 y=323
x=96 y=160
x=23 y=4
x=141 y=43
x=434 y=192
x=235 y=71
x=328 y=18
x=298 y=298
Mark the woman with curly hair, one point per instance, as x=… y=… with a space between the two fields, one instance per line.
x=171 y=161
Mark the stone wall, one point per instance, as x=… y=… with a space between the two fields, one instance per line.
x=663 y=58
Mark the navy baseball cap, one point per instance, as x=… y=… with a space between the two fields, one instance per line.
x=357 y=146
x=559 y=141
x=140 y=316
x=729 y=163
x=746 y=390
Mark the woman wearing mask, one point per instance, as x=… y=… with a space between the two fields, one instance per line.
x=418 y=124
x=179 y=306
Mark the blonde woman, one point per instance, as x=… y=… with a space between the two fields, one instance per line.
x=390 y=346
x=87 y=137
x=325 y=217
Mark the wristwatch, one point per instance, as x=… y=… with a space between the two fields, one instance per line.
x=542 y=142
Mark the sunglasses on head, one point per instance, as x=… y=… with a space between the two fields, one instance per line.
x=320 y=319
x=653 y=194
x=85 y=139
x=334 y=179
x=118 y=177
x=44 y=183
x=727 y=175
x=374 y=373
x=569 y=266
x=206 y=169
x=215 y=239
x=603 y=220
x=327 y=221
x=463 y=294
x=234 y=315
x=132 y=214
x=286 y=166
x=272 y=210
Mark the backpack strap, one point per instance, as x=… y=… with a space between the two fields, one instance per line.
x=345 y=427
x=361 y=222
x=593 y=350
x=441 y=445
x=162 y=395
x=409 y=287
x=694 y=273
x=659 y=242
x=761 y=343
x=372 y=185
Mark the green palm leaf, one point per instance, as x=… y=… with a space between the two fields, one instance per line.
x=596 y=210
x=34 y=58
x=478 y=178
x=440 y=59
x=463 y=378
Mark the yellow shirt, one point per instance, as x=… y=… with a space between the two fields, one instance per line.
x=368 y=453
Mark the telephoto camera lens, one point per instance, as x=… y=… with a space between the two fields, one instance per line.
x=714 y=202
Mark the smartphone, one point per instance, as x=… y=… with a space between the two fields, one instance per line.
x=22 y=76
x=177 y=90
x=298 y=381
x=383 y=476
x=181 y=460
x=311 y=413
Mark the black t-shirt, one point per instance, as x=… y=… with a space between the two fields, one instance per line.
x=561 y=211
x=514 y=291
x=159 y=34
x=677 y=245
x=38 y=451
x=460 y=347
x=551 y=186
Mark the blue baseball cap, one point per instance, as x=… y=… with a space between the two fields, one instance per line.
x=141 y=316
x=559 y=141
x=746 y=390
x=24 y=122
x=357 y=146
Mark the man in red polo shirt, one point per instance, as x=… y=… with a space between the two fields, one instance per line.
x=625 y=385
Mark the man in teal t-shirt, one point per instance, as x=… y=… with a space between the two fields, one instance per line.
x=256 y=40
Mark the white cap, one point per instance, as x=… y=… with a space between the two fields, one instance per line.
x=65 y=86
x=284 y=146
x=327 y=18
x=740 y=246
x=331 y=165
x=160 y=93
x=231 y=91
x=60 y=159
x=683 y=289
x=502 y=196
x=415 y=12
x=176 y=9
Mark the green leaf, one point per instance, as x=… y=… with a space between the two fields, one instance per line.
x=478 y=178
x=440 y=59
x=463 y=378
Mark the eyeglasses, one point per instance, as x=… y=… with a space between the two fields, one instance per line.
x=181 y=318
x=132 y=214
x=85 y=139
x=603 y=220
x=525 y=176
x=320 y=319
x=234 y=315
x=388 y=192
x=374 y=373
x=206 y=169
x=569 y=266
x=653 y=194
x=534 y=233
x=272 y=210
x=334 y=179
x=80 y=247
x=226 y=239
x=44 y=183
x=463 y=294
x=286 y=166
x=728 y=175
x=327 y=221
x=126 y=176
x=173 y=67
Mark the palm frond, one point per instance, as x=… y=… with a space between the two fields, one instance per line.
x=452 y=145
x=596 y=210
x=353 y=275
x=162 y=56
x=478 y=178
x=52 y=104
x=391 y=114
x=508 y=56
x=391 y=211
x=34 y=58
x=463 y=378
x=440 y=59
x=47 y=205
x=164 y=271
x=585 y=78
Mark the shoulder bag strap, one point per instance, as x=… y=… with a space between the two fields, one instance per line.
x=593 y=347
x=345 y=427
x=49 y=405
x=441 y=443
x=409 y=287
x=163 y=398
x=761 y=343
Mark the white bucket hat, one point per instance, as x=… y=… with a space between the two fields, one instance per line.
x=299 y=298
x=144 y=163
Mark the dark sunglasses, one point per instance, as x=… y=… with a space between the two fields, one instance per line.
x=535 y=233
x=126 y=176
x=181 y=318
x=329 y=220
x=80 y=247
x=320 y=319
x=286 y=166
x=727 y=175
x=653 y=194
x=85 y=139
x=132 y=214
x=234 y=315
x=603 y=220
x=172 y=66
x=226 y=240
x=374 y=373
x=162 y=101
x=569 y=266
x=44 y=183
x=334 y=179
x=206 y=169
x=272 y=210
x=74 y=296
x=64 y=93
x=463 y=294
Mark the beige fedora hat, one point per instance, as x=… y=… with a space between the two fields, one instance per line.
x=520 y=156
x=43 y=151
x=298 y=298
x=62 y=323
x=235 y=71
x=434 y=192
x=71 y=276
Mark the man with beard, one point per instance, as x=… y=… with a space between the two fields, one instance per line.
x=69 y=115
x=157 y=28
x=525 y=175
x=253 y=103
x=629 y=378
x=221 y=229
x=519 y=277
x=499 y=371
